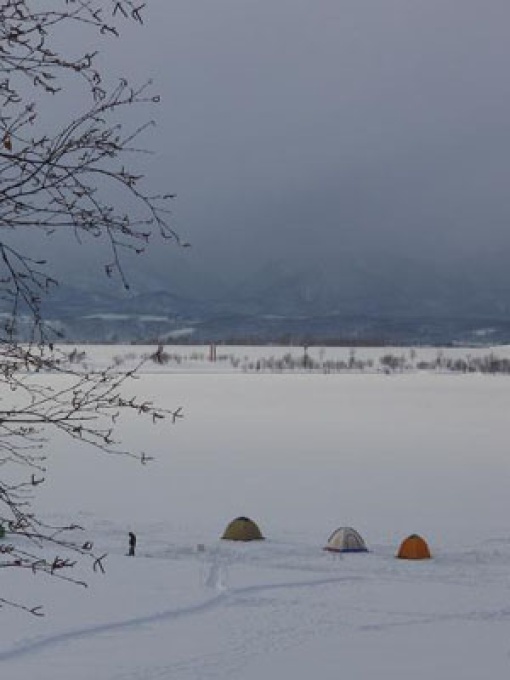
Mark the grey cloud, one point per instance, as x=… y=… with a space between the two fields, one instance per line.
x=311 y=129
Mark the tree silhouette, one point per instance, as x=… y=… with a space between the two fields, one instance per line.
x=58 y=173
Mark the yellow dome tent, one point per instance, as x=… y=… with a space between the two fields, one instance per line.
x=242 y=529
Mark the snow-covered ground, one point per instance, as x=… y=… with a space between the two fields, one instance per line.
x=301 y=453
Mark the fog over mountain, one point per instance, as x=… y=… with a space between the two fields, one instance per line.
x=352 y=153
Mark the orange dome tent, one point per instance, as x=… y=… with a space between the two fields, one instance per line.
x=414 y=547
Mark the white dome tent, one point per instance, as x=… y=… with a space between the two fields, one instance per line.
x=345 y=539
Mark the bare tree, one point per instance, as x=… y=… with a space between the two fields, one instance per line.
x=60 y=175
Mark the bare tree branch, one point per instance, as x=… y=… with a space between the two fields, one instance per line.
x=56 y=175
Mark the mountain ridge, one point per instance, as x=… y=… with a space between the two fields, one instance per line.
x=368 y=300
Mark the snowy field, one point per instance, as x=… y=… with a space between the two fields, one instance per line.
x=301 y=453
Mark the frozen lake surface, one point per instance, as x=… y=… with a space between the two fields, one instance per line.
x=301 y=453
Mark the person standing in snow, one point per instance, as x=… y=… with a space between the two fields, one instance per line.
x=132 y=544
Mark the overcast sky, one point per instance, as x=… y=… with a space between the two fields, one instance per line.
x=309 y=130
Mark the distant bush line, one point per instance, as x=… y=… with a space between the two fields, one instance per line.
x=406 y=361
x=388 y=363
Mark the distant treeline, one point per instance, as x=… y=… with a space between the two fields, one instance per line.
x=388 y=363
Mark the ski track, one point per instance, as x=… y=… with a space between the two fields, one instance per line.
x=36 y=645
x=501 y=615
x=226 y=595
